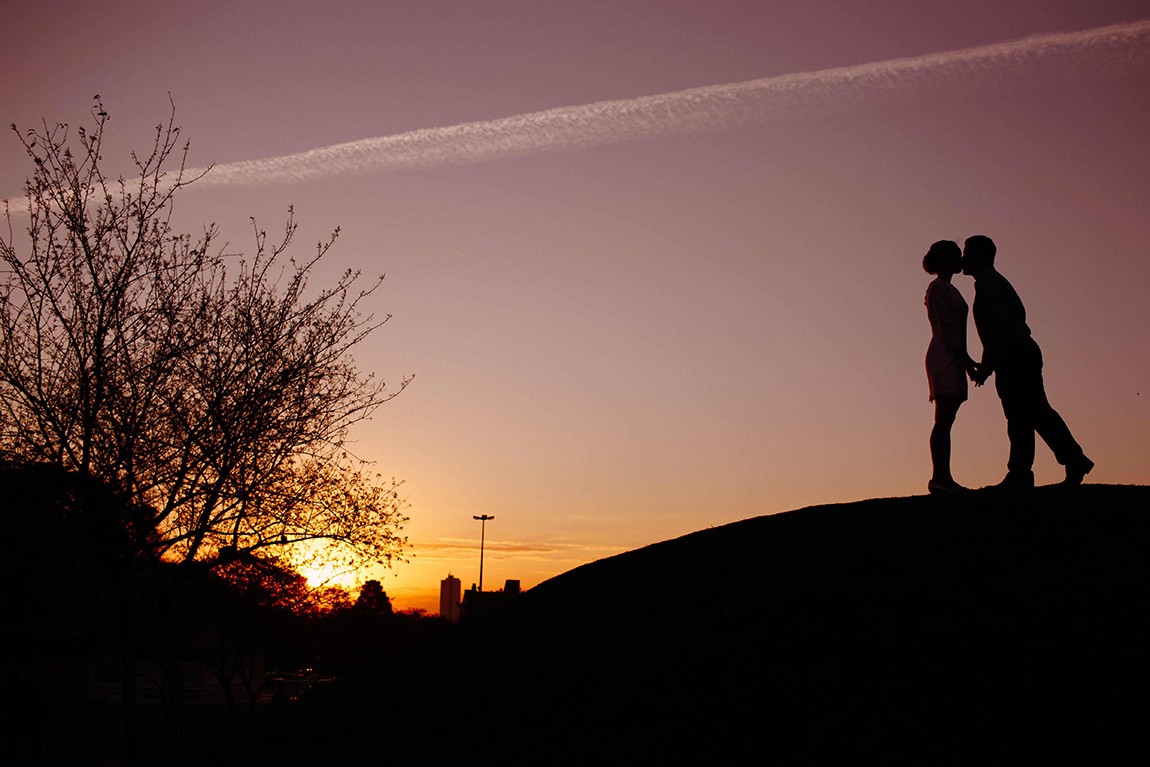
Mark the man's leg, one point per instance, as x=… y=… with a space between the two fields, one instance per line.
x=1027 y=410
x=1049 y=425
x=1014 y=380
x=1056 y=434
x=1020 y=430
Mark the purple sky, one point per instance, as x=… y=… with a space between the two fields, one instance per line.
x=620 y=344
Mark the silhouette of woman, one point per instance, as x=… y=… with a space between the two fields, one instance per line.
x=947 y=363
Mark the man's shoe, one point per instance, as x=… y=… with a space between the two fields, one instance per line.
x=942 y=487
x=1017 y=480
x=1077 y=470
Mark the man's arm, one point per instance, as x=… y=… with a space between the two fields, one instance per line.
x=999 y=316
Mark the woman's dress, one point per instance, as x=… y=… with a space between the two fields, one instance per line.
x=946 y=355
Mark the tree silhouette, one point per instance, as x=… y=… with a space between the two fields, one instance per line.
x=253 y=609
x=373 y=600
x=210 y=394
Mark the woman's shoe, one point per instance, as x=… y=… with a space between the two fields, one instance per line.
x=941 y=487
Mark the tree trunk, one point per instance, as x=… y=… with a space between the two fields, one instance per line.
x=230 y=700
x=247 y=677
x=128 y=691
x=173 y=686
x=226 y=679
x=81 y=661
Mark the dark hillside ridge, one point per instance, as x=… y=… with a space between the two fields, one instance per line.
x=924 y=629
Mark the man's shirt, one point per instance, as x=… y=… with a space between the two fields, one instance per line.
x=999 y=316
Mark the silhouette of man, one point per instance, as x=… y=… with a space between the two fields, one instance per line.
x=1011 y=354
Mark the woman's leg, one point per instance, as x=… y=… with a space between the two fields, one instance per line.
x=945 y=410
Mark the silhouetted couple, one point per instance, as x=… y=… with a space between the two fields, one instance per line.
x=1008 y=352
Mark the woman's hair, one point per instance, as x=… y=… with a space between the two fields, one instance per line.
x=936 y=256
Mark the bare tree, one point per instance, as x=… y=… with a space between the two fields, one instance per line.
x=247 y=613
x=212 y=393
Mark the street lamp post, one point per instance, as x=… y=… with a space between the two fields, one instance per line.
x=482 y=534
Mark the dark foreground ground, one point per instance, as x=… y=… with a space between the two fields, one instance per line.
x=989 y=626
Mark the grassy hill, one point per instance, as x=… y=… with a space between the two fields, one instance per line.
x=987 y=626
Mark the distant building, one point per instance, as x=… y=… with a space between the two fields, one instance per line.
x=476 y=602
x=449 y=598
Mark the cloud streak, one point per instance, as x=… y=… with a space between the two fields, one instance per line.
x=454 y=548
x=689 y=111
x=695 y=110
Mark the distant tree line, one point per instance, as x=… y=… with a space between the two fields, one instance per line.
x=241 y=622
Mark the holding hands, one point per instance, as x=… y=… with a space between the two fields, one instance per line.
x=974 y=373
x=977 y=373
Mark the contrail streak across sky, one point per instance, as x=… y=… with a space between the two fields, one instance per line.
x=698 y=109
x=689 y=111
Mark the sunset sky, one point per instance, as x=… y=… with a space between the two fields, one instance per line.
x=635 y=320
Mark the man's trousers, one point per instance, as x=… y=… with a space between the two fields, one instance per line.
x=1018 y=380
